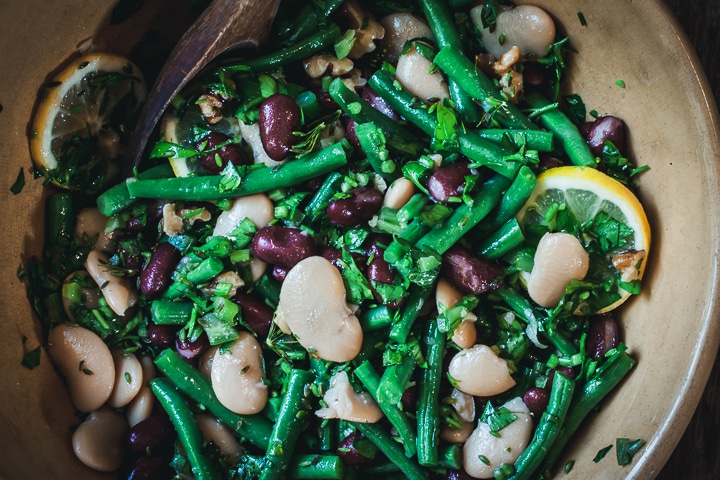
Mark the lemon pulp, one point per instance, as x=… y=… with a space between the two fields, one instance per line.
x=80 y=124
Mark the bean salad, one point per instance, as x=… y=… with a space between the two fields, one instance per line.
x=337 y=262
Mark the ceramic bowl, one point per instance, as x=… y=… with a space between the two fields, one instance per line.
x=672 y=328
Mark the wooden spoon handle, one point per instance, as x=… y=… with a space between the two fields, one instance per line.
x=224 y=25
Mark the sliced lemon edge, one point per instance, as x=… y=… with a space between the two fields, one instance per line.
x=591 y=179
x=43 y=119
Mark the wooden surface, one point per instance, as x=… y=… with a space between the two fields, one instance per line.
x=697 y=457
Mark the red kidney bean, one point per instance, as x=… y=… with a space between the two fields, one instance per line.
x=457 y=475
x=129 y=255
x=603 y=336
x=256 y=313
x=536 y=399
x=360 y=206
x=567 y=371
x=279 y=118
x=606 y=128
x=548 y=161
x=378 y=269
x=279 y=273
x=326 y=101
x=379 y=103
x=156 y=275
x=150 y=468
x=468 y=272
x=332 y=255
x=282 y=246
x=162 y=336
x=349 y=452
x=152 y=436
x=192 y=349
x=409 y=398
x=448 y=181
x=231 y=153
x=351 y=133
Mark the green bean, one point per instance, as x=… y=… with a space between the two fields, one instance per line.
x=316 y=467
x=397 y=136
x=412 y=208
x=255 y=428
x=485 y=153
x=459 y=68
x=167 y=312
x=205 y=270
x=309 y=106
x=506 y=239
x=395 y=380
x=376 y=318
x=411 y=309
x=465 y=217
x=404 y=102
x=377 y=434
x=428 y=411
x=548 y=429
x=472 y=145
x=592 y=394
x=321 y=39
x=117 y=197
x=443 y=27
x=539 y=140
x=399 y=419
x=257 y=180
x=450 y=456
x=60 y=231
x=286 y=430
x=512 y=201
x=372 y=140
x=564 y=130
x=186 y=425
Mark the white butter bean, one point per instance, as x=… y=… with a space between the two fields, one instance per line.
x=128 y=378
x=480 y=372
x=313 y=307
x=118 y=292
x=399 y=193
x=91 y=223
x=88 y=297
x=399 y=28
x=86 y=362
x=219 y=434
x=497 y=448
x=528 y=27
x=559 y=258
x=237 y=376
x=345 y=403
x=414 y=73
x=99 y=442
x=447 y=296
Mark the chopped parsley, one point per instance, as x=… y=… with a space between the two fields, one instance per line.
x=626 y=449
x=19 y=182
x=601 y=453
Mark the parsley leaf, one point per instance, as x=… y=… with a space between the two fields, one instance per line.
x=19 y=182
x=626 y=449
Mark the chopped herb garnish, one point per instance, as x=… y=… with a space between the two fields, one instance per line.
x=620 y=83
x=626 y=449
x=601 y=453
x=583 y=21
x=19 y=182
x=31 y=359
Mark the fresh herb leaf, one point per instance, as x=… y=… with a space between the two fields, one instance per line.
x=31 y=359
x=497 y=418
x=582 y=19
x=627 y=449
x=165 y=149
x=620 y=83
x=19 y=182
x=601 y=453
x=344 y=44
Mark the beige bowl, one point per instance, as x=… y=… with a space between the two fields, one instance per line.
x=671 y=328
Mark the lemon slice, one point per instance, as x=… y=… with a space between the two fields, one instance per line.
x=586 y=193
x=81 y=120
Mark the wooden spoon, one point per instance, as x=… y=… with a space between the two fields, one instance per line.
x=224 y=25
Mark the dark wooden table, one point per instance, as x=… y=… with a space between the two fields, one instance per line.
x=697 y=457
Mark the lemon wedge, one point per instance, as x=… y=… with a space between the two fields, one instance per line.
x=586 y=193
x=81 y=121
